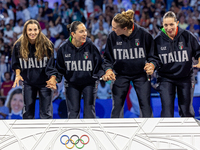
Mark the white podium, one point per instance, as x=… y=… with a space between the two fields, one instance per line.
x=101 y=134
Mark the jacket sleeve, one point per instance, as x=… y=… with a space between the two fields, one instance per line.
x=195 y=46
x=152 y=54
x=60 y=64
x=108 y=55
x=15 y=63
x=50 y=68
x=98 y=71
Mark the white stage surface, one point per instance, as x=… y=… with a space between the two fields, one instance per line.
x=101 y=134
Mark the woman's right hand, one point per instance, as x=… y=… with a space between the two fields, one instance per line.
x=17 y=79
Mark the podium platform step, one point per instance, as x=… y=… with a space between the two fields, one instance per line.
x=101 y=134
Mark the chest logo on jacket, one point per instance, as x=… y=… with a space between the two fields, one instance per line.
x=86 y=55
x=79 y=65
x=176 y=56
x=33 y=63
x=180 y=45
x=129 y=53
x=163 y=48
x=137 y=42
x=119 y=43
x=67 y=55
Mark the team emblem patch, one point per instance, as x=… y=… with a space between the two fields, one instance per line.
x=137 y=42
x=180 y=45
x=86 y=55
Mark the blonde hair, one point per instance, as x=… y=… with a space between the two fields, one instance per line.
x=125 y=19
x=42 y=43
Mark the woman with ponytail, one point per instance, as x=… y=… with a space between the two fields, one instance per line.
x=128 y=48
x=79 y=61
x=176 y=48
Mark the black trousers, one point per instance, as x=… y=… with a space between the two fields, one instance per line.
x=73 y=97
x=167 y=90
x=120 y=89
x=45 y=101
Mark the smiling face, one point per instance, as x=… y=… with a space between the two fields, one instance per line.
x=80 y=34
x=32 y=32
x=116 y=28
x=170 y=26
x=17 y=103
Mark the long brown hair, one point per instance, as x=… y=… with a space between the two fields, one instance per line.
x=125 y=19
x=42 y=43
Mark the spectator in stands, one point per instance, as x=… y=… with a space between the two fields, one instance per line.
x=42 y=18
x=186 y=6
x=193 y=25
x=76 y=12
x=7 y=84
x=33 y=9
x=48 y=11
x=58 y=43
x=55 y=11
x=26 y=13
x=98 y=40
x=53 y=30
x=101 y=29
x=4 y=111
x=4 y=67
x=1 y=45
x=105 y=24
x=6 y=17
x=58 y=25
x=41 y=4
x=89 y=6
x=145 y=20
x=10 y=11
x=52 y=39
x=109 y=11
x=10 y=5
x=7 y=53
x=66 y=19
x=182 y=22
x=19 y=13
x=8 y=34
x=1 y=7
x=18 y=28
x=15 y=103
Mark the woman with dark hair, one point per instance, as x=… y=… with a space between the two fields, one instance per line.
x=33 y=63
x=79 y=61
x=128 y=48
x=15 y=103
x=175 y=47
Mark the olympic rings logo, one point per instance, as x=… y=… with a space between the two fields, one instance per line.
x=76 y=141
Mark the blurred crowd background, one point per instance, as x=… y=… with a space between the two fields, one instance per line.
x=55 y=15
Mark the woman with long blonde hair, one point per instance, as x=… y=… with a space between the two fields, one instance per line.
x=33 y=63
